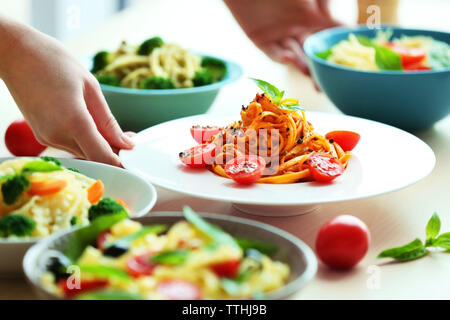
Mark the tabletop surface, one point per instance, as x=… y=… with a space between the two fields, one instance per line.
x=393 y=219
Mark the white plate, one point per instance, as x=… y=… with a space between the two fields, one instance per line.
x=137 y=192
x=386 y=159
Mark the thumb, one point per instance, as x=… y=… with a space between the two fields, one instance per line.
x=103 y=118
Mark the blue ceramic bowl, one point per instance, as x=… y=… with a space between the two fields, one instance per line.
x=138 y=109
x=409 y=100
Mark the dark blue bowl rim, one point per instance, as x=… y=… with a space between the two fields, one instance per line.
x=234 y=72
x=324 y=33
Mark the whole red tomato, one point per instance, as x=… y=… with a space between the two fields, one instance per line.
x=20 y=140
x=342 y=242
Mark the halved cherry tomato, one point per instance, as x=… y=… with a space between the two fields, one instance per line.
x=346 y=139
x=324 y=168
x=198 y=156
x=20 y=140
x=416 y=67
x=203 y=134
x=245 y=169
x=342 y=242
x=46 y=187
x=95 y=191
x=141 y=265
x=101 y=239
x=179 y=290
x=407 y=54
x=227 y=269
x=85 y=285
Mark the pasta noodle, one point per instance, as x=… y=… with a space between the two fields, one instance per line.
x=282 y=137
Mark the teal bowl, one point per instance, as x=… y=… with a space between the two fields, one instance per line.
x=138 y=109
x=412 y=101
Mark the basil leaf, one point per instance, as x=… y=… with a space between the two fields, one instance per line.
x=109 y=295
x=412 y=255
x=439 y=55
x=385 y=58
x=291 y=106
x=433 y=228
x=265 y=248
x=442 y=241
x=87 y=235
x=127 y=240
x=104 y=272
x=395 y=252
x=324 y=54
x=40 y=166
x=174 y=257
x=212 y=231
x=269 y=89
x=277 y=99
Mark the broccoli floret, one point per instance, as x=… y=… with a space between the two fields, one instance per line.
x=100 y=61
x=216 y=67
x=105 y=206
x=202 y=78
x=156 y=82
x=14 y=187
x=16 y=225
x=149 y=45
x=108 y=79
x=51 y=159
x=74 y=170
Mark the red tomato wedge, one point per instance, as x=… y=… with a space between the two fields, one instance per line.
x=85 y=285
x=140 y=265
x=203 y=134
x=408 y=55
x=101 y=239
x=324 y=168
x=245 y=169
x=46 y=187
x=95 y=191
x=198 y=156
x=416 y=67
x=227 y=269
x=20 y=140
x=346 y=139
x=179 y=290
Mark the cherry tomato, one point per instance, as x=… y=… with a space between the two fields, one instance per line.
x=101 y=239
x=324 y=168
x=140 y=265
x=342 y=242
x=245 y=169
x=20 y=140
x=204 y=134
x=85 y=285
x=408 y=55
x=227 y=269
x=198 y=156
x=179 y=290
x=416 y=67
x=346 y=139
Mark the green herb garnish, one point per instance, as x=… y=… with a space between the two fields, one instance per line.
x=172 y=257
x=265 y=248
x=324 y=54
x=385 y=58
x=276 y=95
x=105 y=272
x=40 y=166
x=51 y=159
x=416 y=248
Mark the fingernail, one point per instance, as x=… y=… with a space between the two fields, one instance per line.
x=127 y=140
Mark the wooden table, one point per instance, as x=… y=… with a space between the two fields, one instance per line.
x=393 y=219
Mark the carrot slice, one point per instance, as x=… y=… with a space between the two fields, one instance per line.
x=46 y=187
x=95 y=192
x=123 y=204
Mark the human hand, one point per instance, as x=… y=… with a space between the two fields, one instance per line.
x=280 y=27
x=61 y=101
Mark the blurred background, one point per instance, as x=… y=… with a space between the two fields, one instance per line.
x=64 y=19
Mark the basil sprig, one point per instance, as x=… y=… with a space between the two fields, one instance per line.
x=276 y=95
x=385 y=58
x=416 y=248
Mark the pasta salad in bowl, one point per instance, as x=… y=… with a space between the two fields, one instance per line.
x=43 y=196
x=155 y=81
